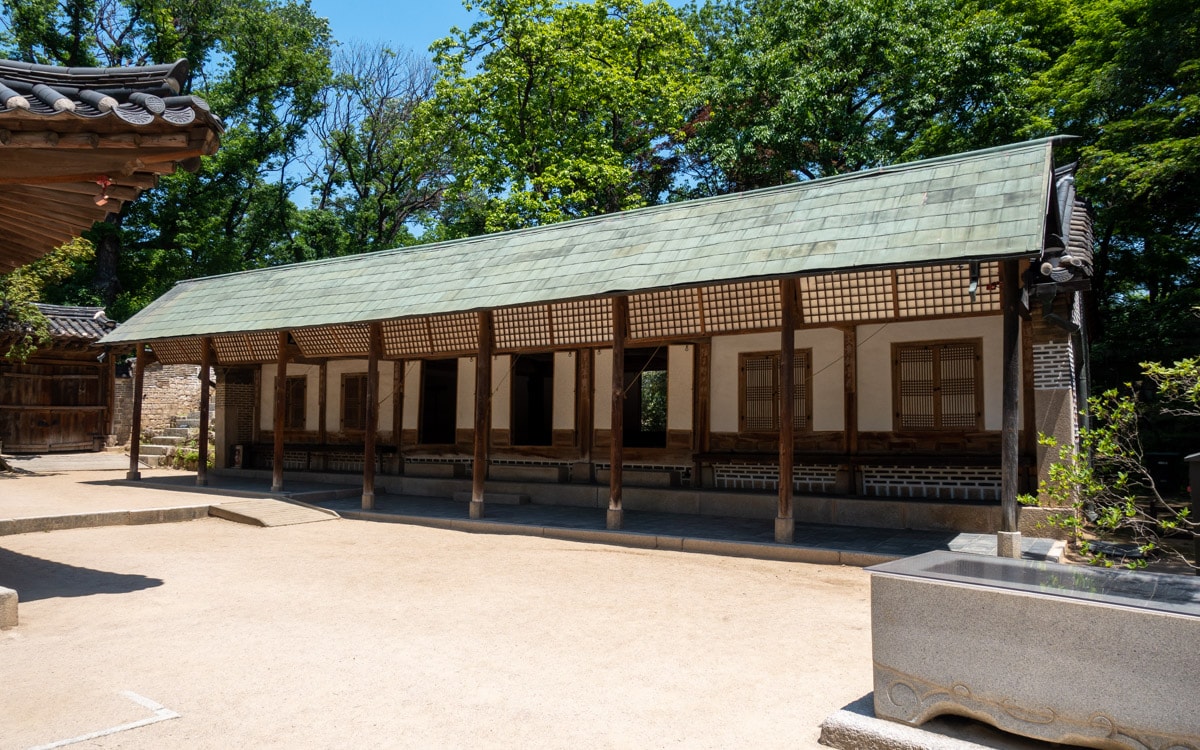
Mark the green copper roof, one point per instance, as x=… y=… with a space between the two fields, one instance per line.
x=979 y=205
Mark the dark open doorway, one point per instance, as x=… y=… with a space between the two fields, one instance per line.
x=439 y=402
x=533 y=399
x=646 y=398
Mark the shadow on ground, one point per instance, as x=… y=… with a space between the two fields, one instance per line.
x=35 y=578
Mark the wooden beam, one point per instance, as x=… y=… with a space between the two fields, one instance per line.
x=483 y=413
x=323 y=403
x=371 y=429
x=202 y=448
x=616 y=453
x=135 y=428
x=1010 y=416
x=585 y=413
x=701 y=406
x=785 y=522
x=116 y=174
x=280 y=404
x=116 y=191
x=850 y=406
x=51 y=139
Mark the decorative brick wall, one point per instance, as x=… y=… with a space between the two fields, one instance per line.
x=944 y=483
x=747 y=476
x=168 y=391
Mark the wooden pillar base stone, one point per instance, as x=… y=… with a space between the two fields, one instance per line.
x=616 y=516
x=785 y=530
x=368 y=501
x=476 y=509
x=133 y=476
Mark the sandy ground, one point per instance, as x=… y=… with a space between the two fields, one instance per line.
x=354 y=634
x=58 y=491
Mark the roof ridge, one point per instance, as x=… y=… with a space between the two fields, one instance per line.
x=662 y=207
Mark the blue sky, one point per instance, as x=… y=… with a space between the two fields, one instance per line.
x=408 y=23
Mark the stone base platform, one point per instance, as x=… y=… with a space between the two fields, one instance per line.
x=856 y=728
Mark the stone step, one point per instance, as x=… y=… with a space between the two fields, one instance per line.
x=150 y=449
x=265 y=512
x=164 y=440
x=187 y=424
x=179 y=432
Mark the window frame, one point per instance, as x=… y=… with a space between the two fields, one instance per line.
x=937 y=345
x=422 y=394
x=803 y=360
x=292 y=408
x=362 y=409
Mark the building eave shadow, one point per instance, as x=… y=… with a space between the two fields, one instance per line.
x=37 y=578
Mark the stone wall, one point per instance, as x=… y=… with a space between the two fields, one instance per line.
x=168 y=391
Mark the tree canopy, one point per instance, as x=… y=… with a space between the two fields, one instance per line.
x=545 y=110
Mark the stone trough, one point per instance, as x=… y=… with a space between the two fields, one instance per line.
x=1082 y=656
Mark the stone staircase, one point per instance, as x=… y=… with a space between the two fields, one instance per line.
x=154 y=452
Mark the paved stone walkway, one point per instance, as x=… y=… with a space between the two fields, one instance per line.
x=848 y=539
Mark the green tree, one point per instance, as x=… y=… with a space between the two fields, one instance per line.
x=564 y=109
x=799 y=89
x=20 y=320
x=1129 y=86
x=383 y=160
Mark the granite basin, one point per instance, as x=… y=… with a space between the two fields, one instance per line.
x=1084 y=656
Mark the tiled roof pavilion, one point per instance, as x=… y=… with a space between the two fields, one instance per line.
x=960 y=214
x=77 y=142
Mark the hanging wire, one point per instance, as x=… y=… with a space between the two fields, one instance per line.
x=638 y=377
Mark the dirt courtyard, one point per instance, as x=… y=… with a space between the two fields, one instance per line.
x=356 y=634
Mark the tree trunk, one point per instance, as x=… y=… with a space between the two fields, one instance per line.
x=108 y=252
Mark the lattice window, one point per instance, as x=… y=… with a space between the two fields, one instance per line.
x=406 y=337
x=675 y=312
x=945 y=290
x=247 y=347
x=334 y=341
x=457 y=332
x=586 y=321
x=741 y=307
x=518 y=327
x=937 y=386
x=295 y=398
x=354 y=401
x=177 y=351
x=836 y=297
x=759 y=391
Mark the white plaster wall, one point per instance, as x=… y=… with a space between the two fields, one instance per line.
x=602 y=398
x=502 y=384
x=828 y=375
x=312 y=396
x=335 y=369
x=412 y=394
x=465 y=416
x=564 y=391
x=679 y=387
x=875 y=364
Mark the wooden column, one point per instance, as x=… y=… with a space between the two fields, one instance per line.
x=135 y=429
x=1009 y=541
x=371 y=428
x=280 y=405
x=483 y=413
x=585 y=414
x=850 y=410
x=323 y=404
x=701 y=407
x=202 y=448
x=616 y=453
x=785 y=522
x=398 y=411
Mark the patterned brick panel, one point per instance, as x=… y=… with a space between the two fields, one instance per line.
x=942 y=483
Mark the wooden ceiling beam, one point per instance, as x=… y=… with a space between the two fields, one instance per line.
x=116 y=191
x=52 y=139
x=62 y=215
x=52 y=235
